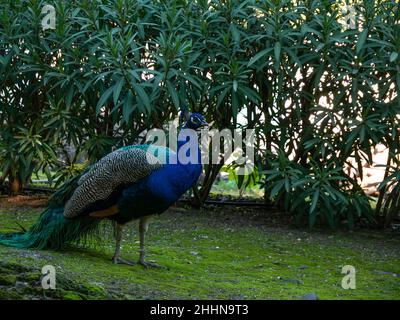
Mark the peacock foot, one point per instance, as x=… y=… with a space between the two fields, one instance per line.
x=148 y=264
x=118 y=260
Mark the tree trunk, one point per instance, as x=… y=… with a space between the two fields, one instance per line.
x=200 y=196
x=383 y=191
x=15 y=185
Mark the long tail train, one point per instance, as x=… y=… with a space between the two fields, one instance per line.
x=52 y=230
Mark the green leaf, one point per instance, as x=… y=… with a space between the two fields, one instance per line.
x=117 y=90
x=312 y=218
x=306 y=29
x=361 y=40
x=173 y=94
x=314 y=200
x=69 y=97
x=277 y=54
x=277 y=188
x=393 y=56
x=144 y=98
x=104 y=97
x=235 y=104
x=235 y=85
x=127 y=108
x=259 y=56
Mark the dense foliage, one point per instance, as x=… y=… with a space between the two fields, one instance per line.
x=319 y=94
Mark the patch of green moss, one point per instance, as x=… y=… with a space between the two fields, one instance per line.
x=70 y=295
x=213 y=254
x=7 y=279
x=22 y=282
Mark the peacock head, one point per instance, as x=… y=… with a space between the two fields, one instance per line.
x=193 y=120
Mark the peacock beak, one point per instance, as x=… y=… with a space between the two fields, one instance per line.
x=209 y=125
x=204 y=124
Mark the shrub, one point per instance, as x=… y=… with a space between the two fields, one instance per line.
x=319 y=95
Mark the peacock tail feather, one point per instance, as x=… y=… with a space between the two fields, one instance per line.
x=53 y=230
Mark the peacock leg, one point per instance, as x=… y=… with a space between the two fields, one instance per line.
x=143 y=226
x=117 y=259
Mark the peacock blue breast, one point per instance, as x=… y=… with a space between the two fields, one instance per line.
x=156 y=192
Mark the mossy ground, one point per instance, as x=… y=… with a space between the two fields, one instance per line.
x=214 y=253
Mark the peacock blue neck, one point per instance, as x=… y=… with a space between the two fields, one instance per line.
x=188 y=150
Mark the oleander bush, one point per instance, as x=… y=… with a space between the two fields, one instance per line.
x=319 y=84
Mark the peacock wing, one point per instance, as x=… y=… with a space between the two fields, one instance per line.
x=124 y=166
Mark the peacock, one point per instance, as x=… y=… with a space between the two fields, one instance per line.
x=128 y=184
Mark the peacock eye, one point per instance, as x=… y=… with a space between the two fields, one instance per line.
x=195 y=120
